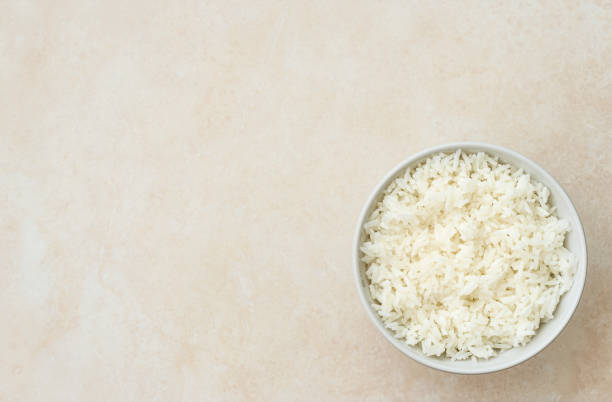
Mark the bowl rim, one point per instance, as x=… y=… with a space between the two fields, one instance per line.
x=579 y=276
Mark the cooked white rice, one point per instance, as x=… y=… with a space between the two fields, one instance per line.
x=465 y=256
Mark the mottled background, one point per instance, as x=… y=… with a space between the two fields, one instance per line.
x=179 y=185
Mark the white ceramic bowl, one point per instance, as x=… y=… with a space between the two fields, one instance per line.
x=575 y=242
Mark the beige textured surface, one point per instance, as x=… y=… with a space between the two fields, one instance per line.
x=180 y=181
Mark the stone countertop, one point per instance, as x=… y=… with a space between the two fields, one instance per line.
x=180 y=183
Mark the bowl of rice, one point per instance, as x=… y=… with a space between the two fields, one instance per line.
x=469 y=257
